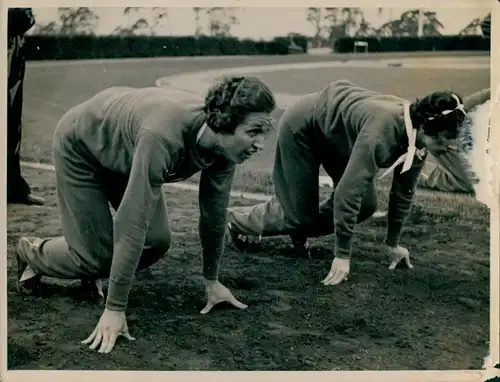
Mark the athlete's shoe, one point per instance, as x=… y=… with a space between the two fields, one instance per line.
x=31 y=284
x=237 y=239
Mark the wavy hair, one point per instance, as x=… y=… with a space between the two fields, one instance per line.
x=427 y=113
x=229 y=101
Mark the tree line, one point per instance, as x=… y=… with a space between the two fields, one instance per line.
x=329 y=23
x=141 y=21
x=333 y=23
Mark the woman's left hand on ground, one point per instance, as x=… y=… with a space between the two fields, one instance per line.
x=217 y=293
x=338 y=272
x=397 y=254
x=111 y=325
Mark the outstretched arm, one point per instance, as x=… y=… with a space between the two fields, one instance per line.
x=401 y=198
x=475 y=99
x=214 y=195
x=133 y=216
x=215 y=188
x=358 y=175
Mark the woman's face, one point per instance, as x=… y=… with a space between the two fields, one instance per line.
x=248 y=137
x=439 y=145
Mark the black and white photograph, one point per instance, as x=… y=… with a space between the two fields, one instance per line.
x=249 y=188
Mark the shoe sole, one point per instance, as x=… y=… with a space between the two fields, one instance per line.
x=26 y=287
x=234 y=240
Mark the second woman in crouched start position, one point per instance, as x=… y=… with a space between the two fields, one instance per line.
x=353 y=132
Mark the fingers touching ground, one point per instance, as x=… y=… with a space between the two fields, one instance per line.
x=207 y=308
x=106 y=336
x=399 y=254
x=238 y=304
x=90 y=338
x=214 y=300
x=233 y=301
x=335 y=277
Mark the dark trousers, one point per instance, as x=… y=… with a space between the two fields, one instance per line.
x=17 y=187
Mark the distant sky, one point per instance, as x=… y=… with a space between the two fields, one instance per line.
x=263 y=22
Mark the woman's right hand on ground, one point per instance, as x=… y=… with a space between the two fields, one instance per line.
x=338 y=272
x=217 y=293
x=398 y=254
x=111 y=325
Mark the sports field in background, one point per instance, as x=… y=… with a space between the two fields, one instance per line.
x=435 y=316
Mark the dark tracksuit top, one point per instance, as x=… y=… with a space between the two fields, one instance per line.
x=140 y=133
x=370 y=127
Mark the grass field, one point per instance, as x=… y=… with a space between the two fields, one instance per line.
x=435 y=316
x=394 y=80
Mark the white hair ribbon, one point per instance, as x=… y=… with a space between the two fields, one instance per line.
x=200 y=132
x=459 y=106
x=407 y=158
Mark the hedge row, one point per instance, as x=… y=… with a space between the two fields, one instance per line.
x=412 y=44
x=49 y=47
x=100 y=47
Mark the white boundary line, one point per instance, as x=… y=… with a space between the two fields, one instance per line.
x=117 y=61
x=179 y=185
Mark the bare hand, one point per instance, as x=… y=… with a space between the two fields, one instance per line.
x=111 y=325
x=338 y=272
x=217 y=293
x=397 y=254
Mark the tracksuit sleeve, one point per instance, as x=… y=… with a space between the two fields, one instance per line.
x=133 y=216
x=475 y=99
x=215 y=187
x=401 y=198
x=357 y=177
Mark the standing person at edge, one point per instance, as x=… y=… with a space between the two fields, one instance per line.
x=120 y=147
x=20 y=20
x=352 y=132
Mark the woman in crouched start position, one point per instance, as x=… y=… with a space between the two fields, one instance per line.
x=353 y=133
x=120 y=147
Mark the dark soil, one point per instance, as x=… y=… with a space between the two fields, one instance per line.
x=435 y=316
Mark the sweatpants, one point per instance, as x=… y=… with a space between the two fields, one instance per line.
x=295 y=207
x=85 y=192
